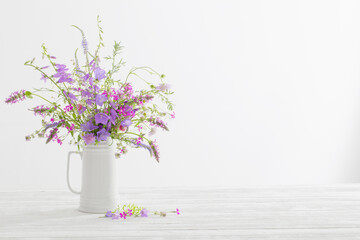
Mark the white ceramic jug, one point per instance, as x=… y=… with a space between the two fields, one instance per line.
x=99 y=191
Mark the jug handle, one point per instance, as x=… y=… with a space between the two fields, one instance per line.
x=68 y=170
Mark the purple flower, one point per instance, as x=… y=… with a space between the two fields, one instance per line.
x=115 y=216
x=81 y=110
x=87 y=127
x=108 y=214
x=90 y=102
x=144 y=212
x=103 y=135
x=88 y=138
x=86 y=93
x=71 y=96
x=61 y=67
x=65 y=78
x=100 y=99
x=51 y=125
x=108 y=126
x=113 y=116
x=155 y=150
x=126 y=123
x=62 y=74
x=99 y=73
x=43 y=77
x=16 y=97
x=101 y=118
x=142 y=145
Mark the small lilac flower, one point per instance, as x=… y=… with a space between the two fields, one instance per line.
x=124 y=215
x=101 y=118
x=52 y=57
x=177 y=211
x=44 y=67
x=108 y=214
x=88 y=126
x=144 y=212
x=103 y=135
x=126 y=123
x=99 y=73
x=43 y=77
x=100 y=99
x=115 y=216
x=88 y=138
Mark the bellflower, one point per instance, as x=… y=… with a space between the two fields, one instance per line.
x=99 y=73
x=103 y=135
x=89 y=138
x=100 y=99
x=113 y=116
x=126 y=123
x=88 y=126
x=101 y=118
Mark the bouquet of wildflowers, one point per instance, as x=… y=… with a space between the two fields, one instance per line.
x=89 y=104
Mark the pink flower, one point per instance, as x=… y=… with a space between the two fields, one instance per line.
x=172 y=115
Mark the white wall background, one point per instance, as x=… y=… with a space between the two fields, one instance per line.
x=267 y=92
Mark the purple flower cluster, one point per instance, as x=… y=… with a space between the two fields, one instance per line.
x=16 y=97
x=40 y=110
x=142 y=213
x=62 y=75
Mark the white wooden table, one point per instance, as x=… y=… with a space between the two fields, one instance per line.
x=331 y=212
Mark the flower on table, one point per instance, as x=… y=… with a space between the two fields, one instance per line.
x=108 y=214
x=130 y=212
x=177 y=211
x=115 y=215
x=144 y=212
